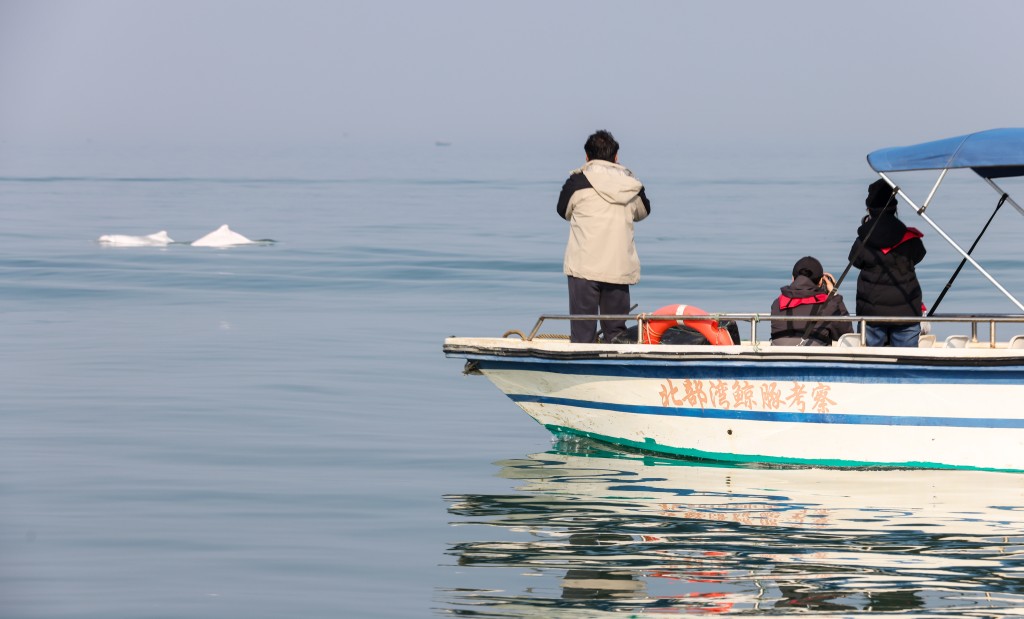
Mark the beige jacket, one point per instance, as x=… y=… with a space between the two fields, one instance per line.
x=601 y=201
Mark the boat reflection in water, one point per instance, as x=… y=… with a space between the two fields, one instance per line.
x=589 y=531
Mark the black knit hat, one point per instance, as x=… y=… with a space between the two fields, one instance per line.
x=809 y=267
x=879 y=194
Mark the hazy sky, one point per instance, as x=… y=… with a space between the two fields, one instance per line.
x=863 y=73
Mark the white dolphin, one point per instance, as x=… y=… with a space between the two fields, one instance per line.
x=157 y=239
x=222 y=237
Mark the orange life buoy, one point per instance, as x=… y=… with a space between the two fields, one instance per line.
x=654 y=329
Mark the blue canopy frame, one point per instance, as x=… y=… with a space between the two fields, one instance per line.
x=995 y=153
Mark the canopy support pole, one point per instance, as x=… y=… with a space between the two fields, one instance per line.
x=928 y=200
x=942 y=295
x=1009 y=199
x=949 y=240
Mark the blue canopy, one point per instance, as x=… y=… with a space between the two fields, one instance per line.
x=995 y=153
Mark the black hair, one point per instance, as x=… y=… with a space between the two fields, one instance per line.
x=601 y=145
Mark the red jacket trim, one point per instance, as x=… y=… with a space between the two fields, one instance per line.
x=911 y=233
x=786 y=303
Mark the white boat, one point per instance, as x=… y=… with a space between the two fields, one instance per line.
x=951 y=403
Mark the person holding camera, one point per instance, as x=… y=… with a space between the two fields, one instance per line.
x=808 y=296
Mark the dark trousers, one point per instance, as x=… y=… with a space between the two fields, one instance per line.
x=588 y=297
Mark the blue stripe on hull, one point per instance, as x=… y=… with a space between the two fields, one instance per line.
x=789 y=417
x=768 y=370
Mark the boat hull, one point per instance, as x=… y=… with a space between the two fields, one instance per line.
x=954 y=409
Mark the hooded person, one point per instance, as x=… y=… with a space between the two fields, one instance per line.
x=887 y=251
x=808 y=296
x=601 y=201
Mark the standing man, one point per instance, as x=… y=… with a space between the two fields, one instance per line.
x=601 y=201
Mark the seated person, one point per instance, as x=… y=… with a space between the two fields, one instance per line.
x=807 y=295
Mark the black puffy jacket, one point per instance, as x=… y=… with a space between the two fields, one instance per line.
x=887 y=285
x=801 y=299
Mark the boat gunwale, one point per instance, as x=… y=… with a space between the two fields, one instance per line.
x=555 y=350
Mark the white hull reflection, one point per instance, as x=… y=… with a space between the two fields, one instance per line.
x=627 y=534
x=929 y=501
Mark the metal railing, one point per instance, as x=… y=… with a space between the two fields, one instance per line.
x=974 y=320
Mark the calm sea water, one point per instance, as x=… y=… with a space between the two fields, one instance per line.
x=273 y=431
